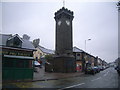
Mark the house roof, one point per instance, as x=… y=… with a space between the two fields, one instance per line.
x=16 y=35
x=4 y=38
x=25 y=43
x=45 y=50
x=75 y=49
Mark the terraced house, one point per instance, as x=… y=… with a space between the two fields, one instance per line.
x=83 y=59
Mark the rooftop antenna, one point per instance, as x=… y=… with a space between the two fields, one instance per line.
x=63 y=3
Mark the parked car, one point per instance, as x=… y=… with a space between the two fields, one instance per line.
x=104 y=67
x=37 y=64
x=118 y=69
x=117 y=66
x=107 y=66
x=90 y=70
x=97 y=69
x=101 y=68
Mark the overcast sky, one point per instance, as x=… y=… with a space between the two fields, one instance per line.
x=95 y=20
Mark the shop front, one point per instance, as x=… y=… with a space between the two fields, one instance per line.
x=17 y=57
x=16 y=67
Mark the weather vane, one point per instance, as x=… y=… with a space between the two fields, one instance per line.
x=63 y=3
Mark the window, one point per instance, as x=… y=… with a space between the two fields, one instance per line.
x=78 y=54
x=14 y=42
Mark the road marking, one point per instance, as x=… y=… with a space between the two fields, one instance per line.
x=96 y=79
x=72 y=86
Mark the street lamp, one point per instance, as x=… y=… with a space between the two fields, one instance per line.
x=85 y=57
x=85 y=43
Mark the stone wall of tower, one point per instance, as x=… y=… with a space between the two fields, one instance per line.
x=64 y=42
x=64 y=60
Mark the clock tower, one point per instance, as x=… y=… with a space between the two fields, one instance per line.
x=64 y=60
x=64 y=41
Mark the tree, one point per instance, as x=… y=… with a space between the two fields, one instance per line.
x=36 y=42
x=48 y=57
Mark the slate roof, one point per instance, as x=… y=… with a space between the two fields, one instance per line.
x=16 y=35
x=25 y=43
x=49 y=51
x=75 y=49
x=45 y=50
x=3 y=39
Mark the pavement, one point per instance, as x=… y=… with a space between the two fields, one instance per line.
x=41 y=75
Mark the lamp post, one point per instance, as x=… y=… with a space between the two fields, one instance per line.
x=85 y=61
x=85 y=43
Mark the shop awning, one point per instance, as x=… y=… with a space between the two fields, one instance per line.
x=20 y=57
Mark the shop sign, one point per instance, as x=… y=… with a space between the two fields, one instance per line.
x=15 y=53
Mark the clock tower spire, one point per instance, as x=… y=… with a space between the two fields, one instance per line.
x=64 y=60
x=64 y=42
x=63 y=3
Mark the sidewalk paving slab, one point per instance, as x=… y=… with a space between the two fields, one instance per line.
x=41 y=75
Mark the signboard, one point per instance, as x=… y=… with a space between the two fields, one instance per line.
x=15 y=53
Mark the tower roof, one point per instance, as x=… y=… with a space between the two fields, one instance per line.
x=65 y=11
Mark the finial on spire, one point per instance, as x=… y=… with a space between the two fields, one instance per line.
x=63 y=3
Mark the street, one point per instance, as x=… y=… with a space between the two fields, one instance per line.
x=105 y=79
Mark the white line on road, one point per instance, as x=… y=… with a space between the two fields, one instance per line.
x=96 y=79
x=72 y=86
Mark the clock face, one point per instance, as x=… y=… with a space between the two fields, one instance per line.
x=68 y=22
x=59 y=23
